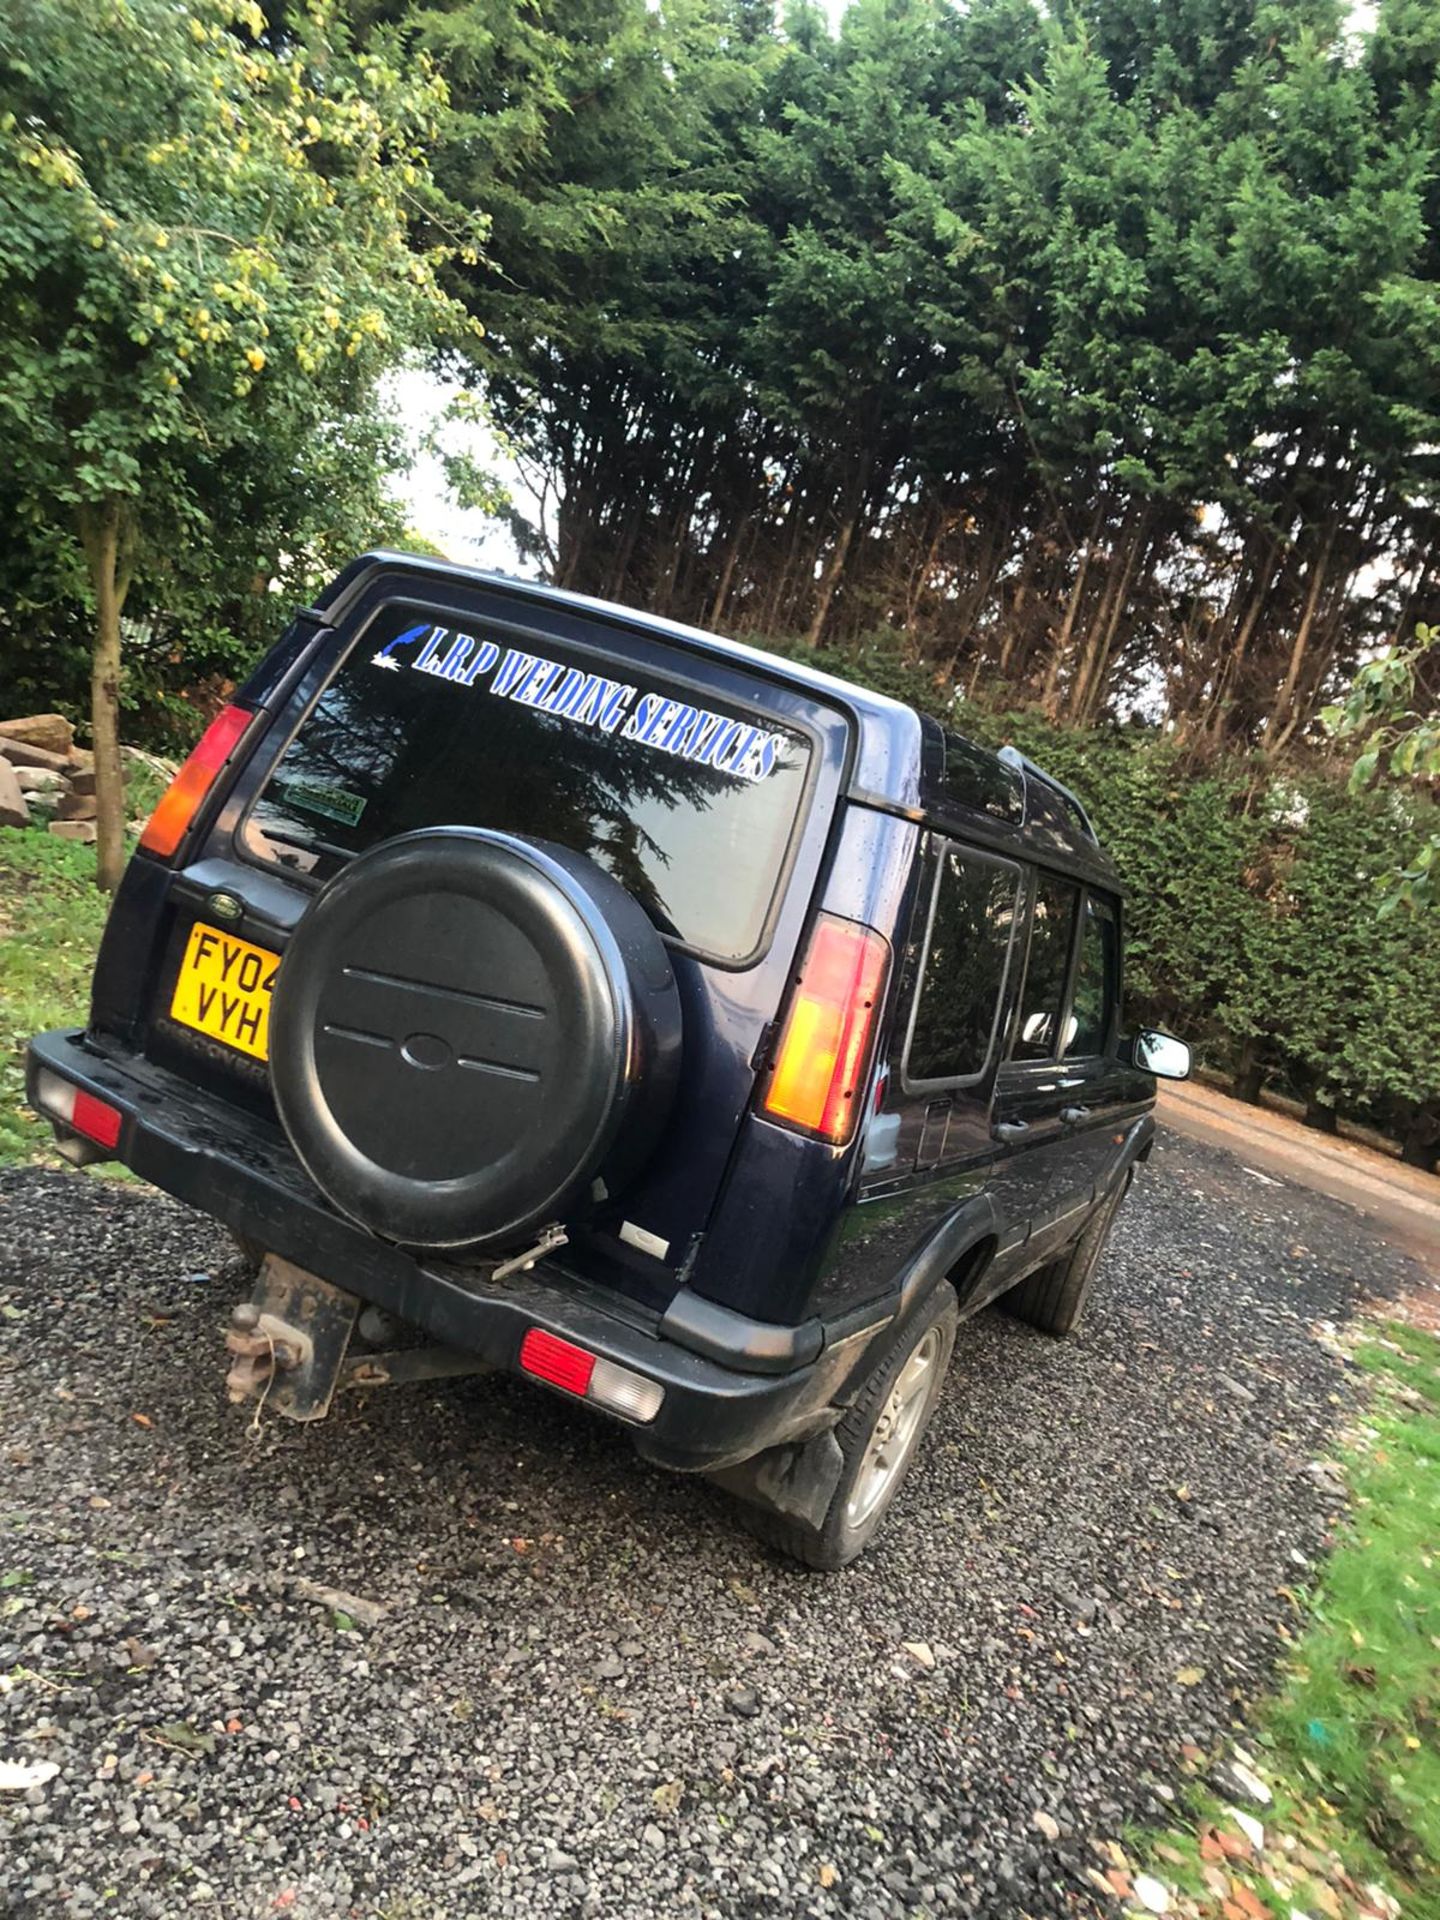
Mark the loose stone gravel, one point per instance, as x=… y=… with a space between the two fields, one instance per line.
x=588 y=1693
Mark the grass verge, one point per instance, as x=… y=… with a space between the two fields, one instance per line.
x=1350 y=1750
x=51 y=916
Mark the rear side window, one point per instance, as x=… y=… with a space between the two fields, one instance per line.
x=967 y=958
x=1097 y=975
x=690 y=803
x=1052 y=929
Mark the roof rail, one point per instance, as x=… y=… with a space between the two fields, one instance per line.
x=1013 y=757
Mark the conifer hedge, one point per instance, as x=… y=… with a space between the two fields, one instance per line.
x=1257 y=918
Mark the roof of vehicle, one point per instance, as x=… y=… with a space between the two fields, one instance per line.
x=905 y=762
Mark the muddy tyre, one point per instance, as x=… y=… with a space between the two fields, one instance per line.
x=1054 y=1297
x=878 y=1438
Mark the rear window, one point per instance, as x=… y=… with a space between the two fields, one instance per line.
x=688 y=801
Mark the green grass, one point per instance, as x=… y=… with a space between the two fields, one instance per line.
x=1363 y=1706
x=51 y=916
x=1351 y=1747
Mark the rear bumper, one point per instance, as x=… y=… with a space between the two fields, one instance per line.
x=242 y=1173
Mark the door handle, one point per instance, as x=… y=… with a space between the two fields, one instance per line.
x=1071 y=1115
x=1010 y=1129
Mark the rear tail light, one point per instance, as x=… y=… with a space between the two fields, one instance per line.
x=73 y=1107
x=170 y=821
x=818 y=1079
x=560 y=1363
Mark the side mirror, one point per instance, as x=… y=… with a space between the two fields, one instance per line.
x=1161 y=1054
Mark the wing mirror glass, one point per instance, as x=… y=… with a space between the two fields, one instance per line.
x=1161 y=1054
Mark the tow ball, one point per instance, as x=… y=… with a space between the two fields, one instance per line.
x=291 y=1345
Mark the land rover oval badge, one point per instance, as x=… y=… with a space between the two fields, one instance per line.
x=225 y=907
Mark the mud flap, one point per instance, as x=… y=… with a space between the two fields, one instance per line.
x=289 y=1341
x=798 y=1479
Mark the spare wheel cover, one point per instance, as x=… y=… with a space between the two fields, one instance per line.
x=472 y=1036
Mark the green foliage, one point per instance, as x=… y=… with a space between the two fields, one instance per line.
x=1361 y=1705
x=1091 y=347
x=51 y=919
x=1397 y=725
x=203 y=260
x=205 y=267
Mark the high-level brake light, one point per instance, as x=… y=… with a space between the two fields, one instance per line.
x=170 y=821
x=818 y=1078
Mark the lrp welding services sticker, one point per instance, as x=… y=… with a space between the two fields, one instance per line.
x=587 y=700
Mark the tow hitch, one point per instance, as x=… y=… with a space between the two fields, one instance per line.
x=291 y=1346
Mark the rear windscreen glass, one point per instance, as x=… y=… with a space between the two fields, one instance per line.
x=688 y=801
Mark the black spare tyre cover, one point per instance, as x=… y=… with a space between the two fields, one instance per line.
x=473 y=1036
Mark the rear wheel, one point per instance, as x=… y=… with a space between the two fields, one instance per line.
x=1054 y=1297
x=878 y=1440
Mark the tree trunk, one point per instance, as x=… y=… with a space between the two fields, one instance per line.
x=716 y=611
x=1420 y=1143
x=789 y=531
x=830 y=578
x=102 y=531
x=1319 y=1116
x=1013 y=616
x=1215 y=711
x=1091 y=681
x=1280 y=712
x=1250 y=1072
x=1050 y=698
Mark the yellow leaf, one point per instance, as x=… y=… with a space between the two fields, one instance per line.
x=827 y=1874
x=256 y=357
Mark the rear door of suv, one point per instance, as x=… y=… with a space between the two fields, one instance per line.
x=706 y=786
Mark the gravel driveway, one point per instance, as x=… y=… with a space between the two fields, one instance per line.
x=588 y=1693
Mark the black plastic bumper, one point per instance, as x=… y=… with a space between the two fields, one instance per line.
x=235 y=1168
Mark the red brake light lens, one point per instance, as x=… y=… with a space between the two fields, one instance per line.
x=82 y=1112
x=557 y=1361
x=634 y=1396
x=97 y=1120
x=825 y=1047
x=170 y=821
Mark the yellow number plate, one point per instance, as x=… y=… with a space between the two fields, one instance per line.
x=224 y=989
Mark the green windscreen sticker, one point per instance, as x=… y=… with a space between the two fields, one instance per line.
x=334 y=802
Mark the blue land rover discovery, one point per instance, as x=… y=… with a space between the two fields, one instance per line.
x=532 y=984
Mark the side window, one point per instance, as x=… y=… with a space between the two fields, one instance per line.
x=1052 y=927
x=967 y=957
x=1097 y=975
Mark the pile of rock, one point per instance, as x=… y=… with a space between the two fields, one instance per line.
x=45 y=779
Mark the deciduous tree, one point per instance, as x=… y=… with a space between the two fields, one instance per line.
x=206 y=262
